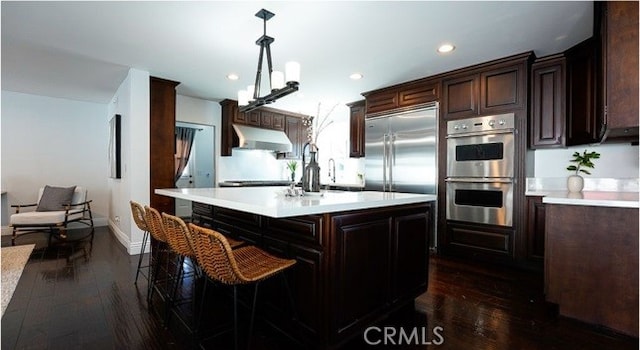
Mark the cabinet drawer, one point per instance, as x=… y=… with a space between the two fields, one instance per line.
x=202 y=209
x=300 y=229
x=237 y=218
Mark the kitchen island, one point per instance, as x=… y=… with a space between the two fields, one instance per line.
x=360 y=255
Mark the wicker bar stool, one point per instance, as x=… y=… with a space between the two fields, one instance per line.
x=180 y=240
x=156 y=229
x=234 y=267
x=137 y=210
x=178 y=237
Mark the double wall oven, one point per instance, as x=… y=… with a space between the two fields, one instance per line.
x=480 y=170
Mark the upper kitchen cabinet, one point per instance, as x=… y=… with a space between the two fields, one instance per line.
x=617 y=27
x=398 y=97
x=548 y=77
x=489 y=88
x=563 y=98
x=264 y=117
x=295 y=131
x=356 y=129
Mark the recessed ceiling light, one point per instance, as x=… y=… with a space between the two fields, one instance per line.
x=445 y=48
x=356 y=76
x=232 y=76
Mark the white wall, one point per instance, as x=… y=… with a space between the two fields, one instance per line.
x=53 y=141
x=131 y=101
x=616 y=161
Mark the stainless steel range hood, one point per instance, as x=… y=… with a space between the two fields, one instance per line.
x=264 y=139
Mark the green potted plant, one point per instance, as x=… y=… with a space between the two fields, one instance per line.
x=292 y=165
x=575 y=182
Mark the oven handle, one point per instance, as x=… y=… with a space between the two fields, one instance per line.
x=506 y=180
x=482 y=133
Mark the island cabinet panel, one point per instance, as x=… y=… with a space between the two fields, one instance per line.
x=591 y=264
x=372 y=262
x=352 y=268
x=410 y=252
x=362 y=270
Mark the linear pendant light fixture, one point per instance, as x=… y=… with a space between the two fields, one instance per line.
x=281 y=84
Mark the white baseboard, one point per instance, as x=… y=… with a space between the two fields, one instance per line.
x=133 y=248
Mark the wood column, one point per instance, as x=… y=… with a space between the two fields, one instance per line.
x=162 y=141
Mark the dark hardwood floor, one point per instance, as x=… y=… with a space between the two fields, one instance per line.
x=74 y=296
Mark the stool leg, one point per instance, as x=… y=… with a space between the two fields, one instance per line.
x=235 y=317
x=172 y=297
x=144 y=245
x=253 y=314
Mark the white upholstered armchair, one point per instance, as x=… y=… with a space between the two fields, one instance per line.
x=57 y=207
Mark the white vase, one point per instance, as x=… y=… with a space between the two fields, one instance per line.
x=575 y=183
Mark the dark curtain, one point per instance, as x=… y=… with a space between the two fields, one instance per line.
x=184 y=141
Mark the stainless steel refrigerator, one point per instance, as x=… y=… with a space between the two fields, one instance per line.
x=400 y=151
x=400 y=155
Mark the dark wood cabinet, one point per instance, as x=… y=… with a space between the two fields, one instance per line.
x=548 y=76
x=356 y=129
x=397 y=97
x=162 y=140
x=352 y=267
x=618 y=32
x=461 y=96
x=564 y=100
x=295 y=131
x=381 y=258
x=492 y=88
x=265 y=117
x=202 y=214
x=535 y=230
x=591 y=264
x=272 y=120
x=477 y=241
x=583 y=123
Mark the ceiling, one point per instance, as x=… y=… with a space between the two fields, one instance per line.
x=83 y=50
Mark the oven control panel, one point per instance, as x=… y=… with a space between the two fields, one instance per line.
x=481 y=124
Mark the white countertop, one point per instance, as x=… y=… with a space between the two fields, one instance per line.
x=271 y=201
x=591 y=198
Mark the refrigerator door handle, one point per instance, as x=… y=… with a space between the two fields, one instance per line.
x=384 y=163
x=392 y=159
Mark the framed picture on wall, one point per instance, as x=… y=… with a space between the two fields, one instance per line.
x=115 y=139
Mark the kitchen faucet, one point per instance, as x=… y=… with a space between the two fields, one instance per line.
x=332 y=170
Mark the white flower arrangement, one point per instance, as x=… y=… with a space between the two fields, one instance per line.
x=315 y=125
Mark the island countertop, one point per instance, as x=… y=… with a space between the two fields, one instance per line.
x=271 y=201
